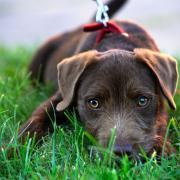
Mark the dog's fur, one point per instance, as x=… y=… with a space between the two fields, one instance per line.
x=117 y=72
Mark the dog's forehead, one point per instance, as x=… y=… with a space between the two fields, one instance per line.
x=117 y=55
x=118 y=59
x=120 y=65
x=117 y=70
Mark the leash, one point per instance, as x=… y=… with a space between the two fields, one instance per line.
x=102 y=15
x=102 y=24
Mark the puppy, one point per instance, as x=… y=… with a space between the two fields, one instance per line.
x=121 y=83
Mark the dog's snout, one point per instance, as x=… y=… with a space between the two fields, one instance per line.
x=123 y=149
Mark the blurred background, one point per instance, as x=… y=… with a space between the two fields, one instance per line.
x=28 y=22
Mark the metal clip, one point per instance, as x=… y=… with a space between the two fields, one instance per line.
x=102 y=15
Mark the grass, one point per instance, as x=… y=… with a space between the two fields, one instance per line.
x=66 y=154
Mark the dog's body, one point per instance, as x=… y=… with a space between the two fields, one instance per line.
x=66 y=45
x=121 y=82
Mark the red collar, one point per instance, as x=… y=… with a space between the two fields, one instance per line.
x=112 y=27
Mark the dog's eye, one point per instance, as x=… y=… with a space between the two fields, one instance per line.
x=142 y=101
x=93 y=103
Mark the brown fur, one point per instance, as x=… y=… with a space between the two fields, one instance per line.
x=117 y=72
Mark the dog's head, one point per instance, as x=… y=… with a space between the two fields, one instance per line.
x=121 y=90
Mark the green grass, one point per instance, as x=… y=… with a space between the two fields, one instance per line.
x=66 y=154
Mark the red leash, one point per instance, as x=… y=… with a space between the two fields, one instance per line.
x=112 y=27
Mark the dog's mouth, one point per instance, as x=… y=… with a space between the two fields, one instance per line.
x=117 y=151
x=132 y=150
x=123 y=149
x=133 y=146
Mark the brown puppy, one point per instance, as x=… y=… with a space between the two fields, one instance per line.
x=121 y=83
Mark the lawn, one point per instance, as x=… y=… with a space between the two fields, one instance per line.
x=67 y=153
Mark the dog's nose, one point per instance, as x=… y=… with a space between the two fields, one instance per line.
x=123 y=149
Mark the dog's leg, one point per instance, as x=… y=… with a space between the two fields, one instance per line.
x=162 y=145
x=41 y=121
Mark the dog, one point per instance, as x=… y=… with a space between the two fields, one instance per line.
x=122 y=83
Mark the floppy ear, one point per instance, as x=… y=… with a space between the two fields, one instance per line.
x=164 y=68
x=69 y=71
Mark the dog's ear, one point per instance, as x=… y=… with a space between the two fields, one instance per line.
x=69 y=71
x=164 y=67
